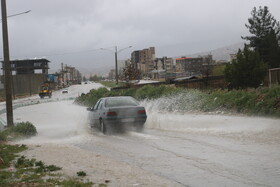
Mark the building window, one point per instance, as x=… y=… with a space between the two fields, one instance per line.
x=37 y=64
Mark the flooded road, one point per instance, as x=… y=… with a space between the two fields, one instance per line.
x=187 y=149
x=196 y=158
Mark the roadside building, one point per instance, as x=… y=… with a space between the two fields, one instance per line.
x=192 y=66
x=72 y=75
x=28 y=75
x=161 y=67
x=135 y=58
x=143 y=60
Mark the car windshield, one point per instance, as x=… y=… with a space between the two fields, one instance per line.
x=115 y=102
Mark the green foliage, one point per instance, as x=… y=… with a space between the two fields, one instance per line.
x=4 y=175
x=25 y=128
x=247 y=70
x=20 y=130
x=265 y=39
x=146 y=92
x=8 y=153
x=95 y=78
x=22 y=162
x=264 y=102
x=3 y=137
x=219 y=70
x=29 y=172
x=92 y=97
x=236 y=100
x=81 y=174
x=256 y=101
x=150 y=92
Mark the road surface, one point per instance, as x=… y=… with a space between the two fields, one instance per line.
x=177 y=149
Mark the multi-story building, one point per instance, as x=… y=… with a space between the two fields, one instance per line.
x=192 y=66
x=162 y=66
x=135 y=58
x=144 y=60
x=164 y=63
x=28 y=75
x=71 y=75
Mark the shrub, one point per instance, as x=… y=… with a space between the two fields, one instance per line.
x=2 y=137
x=150 y=92
x=25 y=129
x=81 y=174
x=92 y=97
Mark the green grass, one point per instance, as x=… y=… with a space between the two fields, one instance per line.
x=19 y=171
x=219 y=70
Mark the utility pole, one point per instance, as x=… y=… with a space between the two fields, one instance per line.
x=7 y=66
x=62 y=75
x=116 y=63
x=116 y=60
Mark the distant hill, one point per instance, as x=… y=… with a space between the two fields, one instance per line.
x=220 y=53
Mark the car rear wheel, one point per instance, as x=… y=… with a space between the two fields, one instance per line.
x=139 y=127
x=103 y=127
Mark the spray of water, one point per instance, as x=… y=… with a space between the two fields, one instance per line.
x=181 y=113
x=63 y=122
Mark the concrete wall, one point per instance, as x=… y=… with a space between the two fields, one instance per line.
x=210 y=82
x=26 y=84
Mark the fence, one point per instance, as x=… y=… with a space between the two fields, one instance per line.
x=204 y=83
x=210 y=82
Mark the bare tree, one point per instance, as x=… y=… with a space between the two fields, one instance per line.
x=130 y=73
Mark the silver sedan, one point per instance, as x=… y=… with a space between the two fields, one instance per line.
x=117 y=113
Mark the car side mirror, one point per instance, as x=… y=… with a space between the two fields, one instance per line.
x=89 y=109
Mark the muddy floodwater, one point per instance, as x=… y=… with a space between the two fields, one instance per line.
x=186 y=149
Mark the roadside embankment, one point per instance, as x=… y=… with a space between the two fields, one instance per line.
x=261 y=102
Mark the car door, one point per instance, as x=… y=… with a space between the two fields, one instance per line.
x=99 y=111
x=95 y=113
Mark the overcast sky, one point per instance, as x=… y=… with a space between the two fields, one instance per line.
x=73 y=31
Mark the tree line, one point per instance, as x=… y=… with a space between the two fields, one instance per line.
x=261 y=53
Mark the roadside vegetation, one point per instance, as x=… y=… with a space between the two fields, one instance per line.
x=18 y=131
x=260 y=54
x=16 y=170
x=219 y=70
x=261 y=101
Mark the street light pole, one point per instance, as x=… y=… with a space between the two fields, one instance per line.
x=116 y=64
x=7 y=66
x=116 y=60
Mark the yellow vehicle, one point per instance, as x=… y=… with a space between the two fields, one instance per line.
x=45 y=91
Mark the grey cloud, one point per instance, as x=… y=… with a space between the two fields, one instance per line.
x=174 y=27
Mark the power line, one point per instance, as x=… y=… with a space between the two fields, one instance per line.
x=13 y=15
x=61 y=54
x=74 y=52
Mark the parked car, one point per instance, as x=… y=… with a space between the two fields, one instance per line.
x=117 y=113
x=65 y=90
